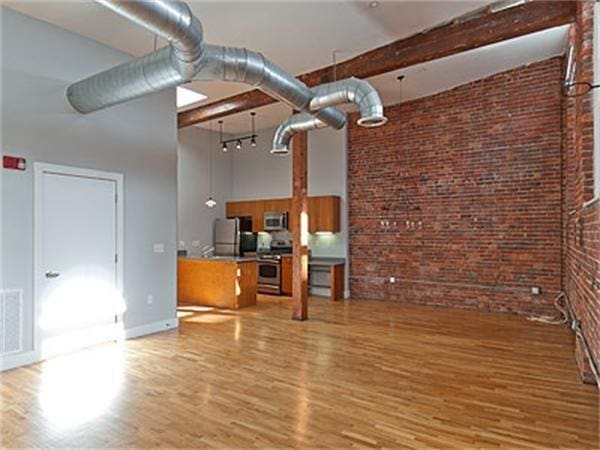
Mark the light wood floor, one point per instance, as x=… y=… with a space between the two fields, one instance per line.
x=358 y=374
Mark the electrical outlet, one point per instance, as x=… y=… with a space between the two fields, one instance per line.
x=195 y=243
x=150 y=299
x=535 y=290
x=392 y=280
x=159 y=248
x=182 y=244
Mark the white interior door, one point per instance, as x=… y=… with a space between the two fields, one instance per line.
x=80 y=301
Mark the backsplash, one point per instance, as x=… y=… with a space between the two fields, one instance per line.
x=324 y=245
x=327 y=245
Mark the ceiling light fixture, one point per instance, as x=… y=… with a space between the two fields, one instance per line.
x=400 y=79
x=253 y=137
x=223 y=143
x=373 y=4
x=239 y=141
x=211 y=203
x=187 y=97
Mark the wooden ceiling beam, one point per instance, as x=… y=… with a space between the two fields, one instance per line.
x=458 y=36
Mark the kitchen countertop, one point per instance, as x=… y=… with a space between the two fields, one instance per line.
x=322 y=261
x=235 y=259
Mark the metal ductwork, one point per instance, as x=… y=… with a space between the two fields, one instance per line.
x=245 y=66
x=293 y=125
x=186 y=58
x=351 y=90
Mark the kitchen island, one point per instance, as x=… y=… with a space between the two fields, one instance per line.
x=220 y=281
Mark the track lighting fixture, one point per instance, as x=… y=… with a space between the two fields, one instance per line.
x=239 y=141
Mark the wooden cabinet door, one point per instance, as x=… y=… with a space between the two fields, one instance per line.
x=286 y=275
x=236 y=209
x=324 y=214
x=257 y=212
x=249 y=208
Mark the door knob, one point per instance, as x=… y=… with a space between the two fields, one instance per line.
x=51 y=274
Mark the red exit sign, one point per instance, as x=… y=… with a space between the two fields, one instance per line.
x=13 y=163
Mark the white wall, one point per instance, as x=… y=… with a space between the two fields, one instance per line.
x=196 y=220
x=137 y=139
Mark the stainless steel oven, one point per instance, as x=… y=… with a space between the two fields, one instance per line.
x=275 y=221
x=269 y=274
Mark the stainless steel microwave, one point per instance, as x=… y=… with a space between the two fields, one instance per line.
x=276 y=221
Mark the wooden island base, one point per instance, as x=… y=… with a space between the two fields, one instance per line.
x=223 y=283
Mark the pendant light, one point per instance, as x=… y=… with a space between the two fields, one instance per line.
x=400 y=79
x=211 y=203
x=253 y=138
x=223 y=143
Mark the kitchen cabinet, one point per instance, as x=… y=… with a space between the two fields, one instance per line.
x=248 y=208
x=286 y=275
x=277 y=205
x=220 y=282
x=326 y=274
x=323 y=212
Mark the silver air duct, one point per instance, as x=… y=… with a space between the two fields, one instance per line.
x=187 y=57
x=351 y=90
x=245 y=66
x=293 y=125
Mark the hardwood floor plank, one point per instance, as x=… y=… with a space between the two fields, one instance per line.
x=361 y=374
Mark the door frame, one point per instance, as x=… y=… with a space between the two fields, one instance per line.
x=40 y=169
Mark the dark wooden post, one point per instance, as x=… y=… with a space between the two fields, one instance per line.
x=299 y=222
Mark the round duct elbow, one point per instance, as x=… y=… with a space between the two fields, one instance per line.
x=372 y=121
x=282 y=151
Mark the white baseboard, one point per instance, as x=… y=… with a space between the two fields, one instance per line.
x=8 y=362
x=151 y=328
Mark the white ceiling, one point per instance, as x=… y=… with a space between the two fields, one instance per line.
x=301 y=36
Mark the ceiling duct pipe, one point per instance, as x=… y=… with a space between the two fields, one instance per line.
x=293 y=125
x=351 y=90
x=186 y=57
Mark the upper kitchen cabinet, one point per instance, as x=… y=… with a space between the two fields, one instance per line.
x=324 y=214
x=277 y=205
x=248 y=208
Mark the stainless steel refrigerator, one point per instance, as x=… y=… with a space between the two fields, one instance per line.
x=227 y=237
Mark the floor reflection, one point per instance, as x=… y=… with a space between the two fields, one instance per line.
x=205 y=314
x=79 y=387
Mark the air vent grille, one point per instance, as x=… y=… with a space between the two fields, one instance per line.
x=11 y=318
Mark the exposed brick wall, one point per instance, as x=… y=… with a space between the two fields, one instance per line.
x=581 y=226
x=482 y=164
